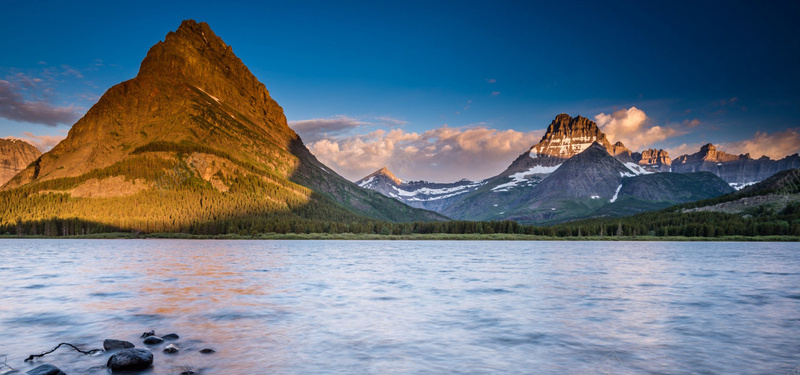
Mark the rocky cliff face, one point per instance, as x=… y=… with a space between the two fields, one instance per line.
x=657 y=159
x=15 y=155
x=567 y=136
x=737 y=170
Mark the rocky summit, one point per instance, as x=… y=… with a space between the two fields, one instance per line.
x=15 y=155
x=193 y=143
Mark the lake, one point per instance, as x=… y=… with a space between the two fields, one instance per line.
x=407 y=307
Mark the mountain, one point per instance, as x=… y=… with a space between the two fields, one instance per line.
x=421 y=194
x=573 y=172
x=737 y=170
x=15 y=155
x=194 y=140
x=773 y=195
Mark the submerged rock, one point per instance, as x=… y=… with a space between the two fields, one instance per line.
x=153 y=340
x=46 y=370
x=171 y=348
x=148 y=334
x=111 y=344
x=130 y=359
x=171 y=336
x=207 y=351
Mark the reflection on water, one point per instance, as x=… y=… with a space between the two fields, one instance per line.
x=408 y=307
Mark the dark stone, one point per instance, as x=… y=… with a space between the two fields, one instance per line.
x=207 y=351
x=171 y=348
x=111 y=344
x=148 y=334
x=153 y=340
x=171 y=336
x=46 y=370
x=189 y=372
x=130 y=359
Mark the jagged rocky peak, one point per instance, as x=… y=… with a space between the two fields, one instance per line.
x=567 y=136
x=15 y=155
x=652 y=156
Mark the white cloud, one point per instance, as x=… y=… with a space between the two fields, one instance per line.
x=15 y=107
x=633 y=128
x=443 y=154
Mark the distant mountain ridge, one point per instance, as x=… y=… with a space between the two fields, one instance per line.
x=640 y=180
x=15 y=155
x=420 y=194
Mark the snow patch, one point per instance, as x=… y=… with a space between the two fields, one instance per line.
x=429 y=191
x=367 y=182
x=616 y=194
x=595 y=197
x=742 y=185
x=637 y=169
x=209 y=95
x=518 y=178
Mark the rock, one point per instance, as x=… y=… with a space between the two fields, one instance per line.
x=171 y=348
x=188 y=372
x=111 y=344
x=130 y=359
x=153 y=340
x=148 y=334
x=46 y=370
x=207 y=351
x=171 y=336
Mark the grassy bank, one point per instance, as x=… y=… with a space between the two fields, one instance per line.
x=411 y=237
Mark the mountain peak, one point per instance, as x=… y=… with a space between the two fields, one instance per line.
x=383 y=173
x=567 y=136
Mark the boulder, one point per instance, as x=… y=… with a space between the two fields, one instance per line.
x=46 y=370
x=207 y=351
x=111 y=344
x=171 y=348
x=153 y=340
x=171 y=336
x=130 y=359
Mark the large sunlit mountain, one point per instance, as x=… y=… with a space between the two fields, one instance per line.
x=15 y=155
x=194 y=140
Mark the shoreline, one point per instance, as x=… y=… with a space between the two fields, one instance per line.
x=410 y=237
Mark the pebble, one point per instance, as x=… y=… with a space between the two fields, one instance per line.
x=171 y=348
x=171 y=336
x=207 y=351
x=46 y=370
x=130 y=359
x=111 y=344
x=153 y=340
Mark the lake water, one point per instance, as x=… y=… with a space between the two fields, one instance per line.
x=416 y=307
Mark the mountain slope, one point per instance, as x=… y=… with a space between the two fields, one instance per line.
x=197 y=133
x=15 y=155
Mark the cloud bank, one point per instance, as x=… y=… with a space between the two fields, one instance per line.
x=443 y=154
x=15 y=107
x=634 y=128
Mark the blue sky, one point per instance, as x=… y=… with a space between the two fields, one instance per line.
x=373 y=83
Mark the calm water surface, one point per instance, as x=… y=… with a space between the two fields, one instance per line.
x=380 y=307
